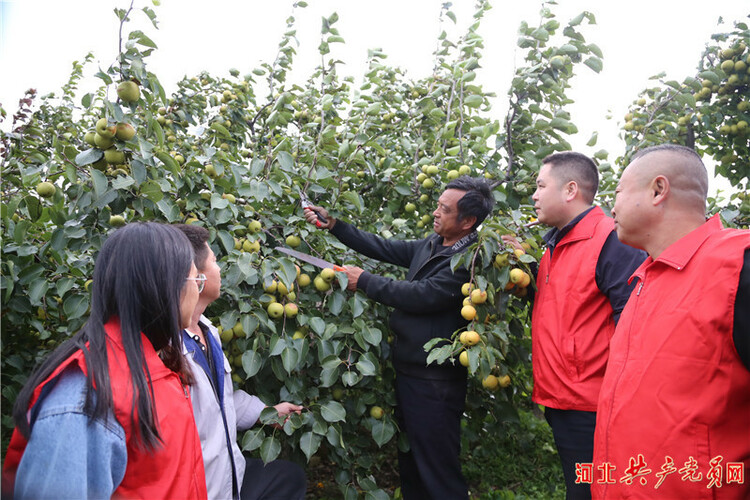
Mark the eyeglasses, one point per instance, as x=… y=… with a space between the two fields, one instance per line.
x=200 y=280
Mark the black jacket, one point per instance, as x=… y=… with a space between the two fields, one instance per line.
x=427 y=304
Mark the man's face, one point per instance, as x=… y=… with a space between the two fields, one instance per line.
x=212 y=289
x=446 y=222
x=549 y=198
x=631 y=204
x=188 y=297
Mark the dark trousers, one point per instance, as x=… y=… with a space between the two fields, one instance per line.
x=574 y=437
x=280 y=479
x=429 y=411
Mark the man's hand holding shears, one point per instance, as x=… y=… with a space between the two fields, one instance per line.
x=320 y=217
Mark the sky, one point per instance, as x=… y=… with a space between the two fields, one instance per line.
x=40 y=39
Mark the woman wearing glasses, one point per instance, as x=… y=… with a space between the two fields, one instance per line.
x=108 y=413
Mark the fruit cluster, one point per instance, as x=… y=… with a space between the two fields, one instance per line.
x=104 y=137
x=287 y=308
x=248 y=244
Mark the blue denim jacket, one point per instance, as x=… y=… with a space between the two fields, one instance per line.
x=68 y=454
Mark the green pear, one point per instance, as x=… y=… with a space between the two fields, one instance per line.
x=102 y=142
x=104 y=129
x=89 y=138
x=128 y=91
x=45 y=189
x=114 y=157
x=124 y=131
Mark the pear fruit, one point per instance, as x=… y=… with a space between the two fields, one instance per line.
x=128 y=91
x=124 y=131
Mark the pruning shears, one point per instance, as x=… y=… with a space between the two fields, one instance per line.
x=305 y=202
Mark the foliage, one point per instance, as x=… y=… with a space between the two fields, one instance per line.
x=708 y=111
x=528 y=467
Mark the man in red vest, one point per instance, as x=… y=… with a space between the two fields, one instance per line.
x=581 y=289
x=673 y=416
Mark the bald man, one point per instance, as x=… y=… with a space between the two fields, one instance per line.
x=673 y=418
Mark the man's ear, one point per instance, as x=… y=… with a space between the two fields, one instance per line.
x=570 y=190
x=468 y=222
x=659 y=189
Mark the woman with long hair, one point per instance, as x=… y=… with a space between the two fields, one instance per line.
x=108 y=412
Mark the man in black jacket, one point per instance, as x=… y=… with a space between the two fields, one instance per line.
x=430 y=398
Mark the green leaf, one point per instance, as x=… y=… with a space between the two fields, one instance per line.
x=168 y=162
x=592 y=139
x=249 y=324
x=100 y=182
x=75 y=306
x=287 y=272
x=329 y=377
x=540 y=34
x=122 y=182
x=252 y=439
x=221 y=130
x=711 y=76
x=527 y=259
x=226 y=240
x=289 y=359
x=372 y=336
x=334 y=437
x=366 y=367
x=594 y=63
x=560 y=124
x=330 y=363
x=276 y=346
x=333 y=411
x=336 y=302
x=567 y=49
x=34 y=208
x=373 y=109
x=251 y=362
x=686 y=99
x=309 y=444
x=37 y=290
x=317 y=325
x=577 y=20
x=350 y=378
x=139 y=37
x=382 y=432
x=286 y=160
x=245 y=263
x=474 y=101
x=217 y=203
x=357 y=305
x=440 y=355
x=594 y=48
x=377 y=494
x=89 y=156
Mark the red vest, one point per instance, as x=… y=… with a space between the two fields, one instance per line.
x=675 y=401
x=572 y=320
x=175 y=468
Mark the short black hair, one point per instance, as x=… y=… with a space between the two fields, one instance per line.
x=571 y=166
x=198 y=237
x=477 y=201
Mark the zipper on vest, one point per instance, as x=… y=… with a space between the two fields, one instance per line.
x=640 y=285
x=184 y=389
x=547 y=278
